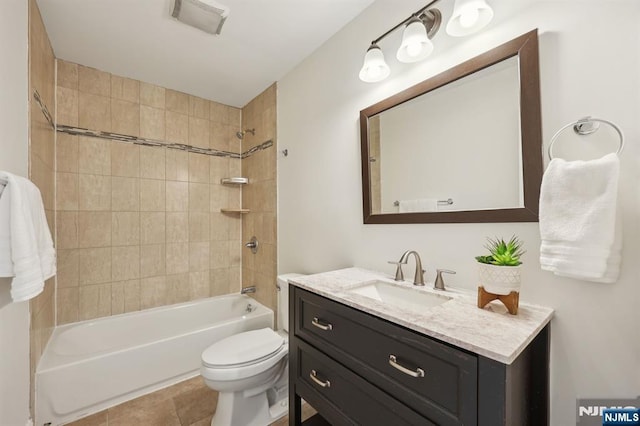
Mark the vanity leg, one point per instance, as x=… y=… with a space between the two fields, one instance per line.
x=295 y=405
x=295 y=409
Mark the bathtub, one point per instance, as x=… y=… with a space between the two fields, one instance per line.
x=91 y=365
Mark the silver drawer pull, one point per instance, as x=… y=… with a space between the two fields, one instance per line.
x=321 y=326
x=393 y=361
x=314 y=377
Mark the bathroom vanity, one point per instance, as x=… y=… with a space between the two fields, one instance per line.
x=367 y=350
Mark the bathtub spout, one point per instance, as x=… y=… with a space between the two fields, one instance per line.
x=245 y=290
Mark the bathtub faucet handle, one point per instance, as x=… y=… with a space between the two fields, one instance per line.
x=253 y=244
x=250 y=289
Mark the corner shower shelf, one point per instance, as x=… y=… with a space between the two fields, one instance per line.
x=234 y=181
x=241 y=211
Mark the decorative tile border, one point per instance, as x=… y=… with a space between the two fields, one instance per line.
x=143 y=141
x=43 y=107
x=262 y=146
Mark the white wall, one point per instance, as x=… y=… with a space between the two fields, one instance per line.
x=14 y=149
x=589 y=66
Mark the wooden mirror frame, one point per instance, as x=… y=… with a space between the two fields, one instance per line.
x=525 y=48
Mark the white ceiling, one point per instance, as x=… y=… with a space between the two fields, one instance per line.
x=260 y=42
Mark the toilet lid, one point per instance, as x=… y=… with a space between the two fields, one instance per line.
x=243 y=348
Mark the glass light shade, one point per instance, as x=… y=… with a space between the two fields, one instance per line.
x=469 y=16
x=415 y=45
x=374 y=68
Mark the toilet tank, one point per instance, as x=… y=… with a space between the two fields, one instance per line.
x=283 y=300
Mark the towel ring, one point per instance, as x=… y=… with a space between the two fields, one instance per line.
x=586 y=126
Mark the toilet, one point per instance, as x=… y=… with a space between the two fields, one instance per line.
x=250 y=370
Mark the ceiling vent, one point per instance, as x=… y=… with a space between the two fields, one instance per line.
x=205 y=15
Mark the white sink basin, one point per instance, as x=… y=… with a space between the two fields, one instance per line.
x=402 y=297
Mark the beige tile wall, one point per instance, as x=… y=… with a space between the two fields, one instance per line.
x=140 y=227
x=41 y=170
x=260 y=197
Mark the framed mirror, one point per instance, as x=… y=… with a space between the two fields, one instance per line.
x=462 y=146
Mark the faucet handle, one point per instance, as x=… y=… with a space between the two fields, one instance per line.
x=439 y=283
x=399 y=275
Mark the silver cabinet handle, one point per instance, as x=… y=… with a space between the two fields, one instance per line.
x=321 y=326
x=314 y=377
x=393 y=361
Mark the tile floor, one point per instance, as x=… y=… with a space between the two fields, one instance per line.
x=188 y=403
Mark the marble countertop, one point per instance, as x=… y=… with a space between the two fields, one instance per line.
x=491 y=332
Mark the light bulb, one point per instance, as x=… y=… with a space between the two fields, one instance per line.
x=374 y=68
x=415 y=44
x=374 y=72
x=469 y=17
x=413 y=49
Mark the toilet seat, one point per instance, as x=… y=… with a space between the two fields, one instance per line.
x=243 y=355
x=242 y=348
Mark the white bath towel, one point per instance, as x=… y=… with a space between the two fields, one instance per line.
x=26 y=246
x=581 y=237
x=419 y=205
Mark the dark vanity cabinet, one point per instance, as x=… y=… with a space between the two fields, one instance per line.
x=355 y=368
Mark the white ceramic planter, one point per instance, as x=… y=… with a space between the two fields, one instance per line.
x=499 y=279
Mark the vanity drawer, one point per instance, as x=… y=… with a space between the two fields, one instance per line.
x=324 y=382
x=436 y=380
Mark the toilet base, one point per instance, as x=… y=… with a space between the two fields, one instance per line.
x=279 y=409
x=235 y=409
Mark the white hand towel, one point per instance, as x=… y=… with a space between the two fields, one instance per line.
x=26 y=247
x=581 y=237
x=585 y=260
x=419 y=205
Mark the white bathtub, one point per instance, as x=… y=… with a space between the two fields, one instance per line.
x=91 y=365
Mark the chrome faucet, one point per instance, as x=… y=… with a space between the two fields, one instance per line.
x=399 y=274
x=439 y=282
x=418 y=279
x=245 y=290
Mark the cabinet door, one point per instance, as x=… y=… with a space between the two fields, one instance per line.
x=432 y=378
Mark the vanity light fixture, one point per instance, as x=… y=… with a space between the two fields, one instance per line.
x=468 y=17
x=374 y=68
x=416 y=44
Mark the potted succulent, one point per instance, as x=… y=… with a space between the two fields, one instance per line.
x=499 y=272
